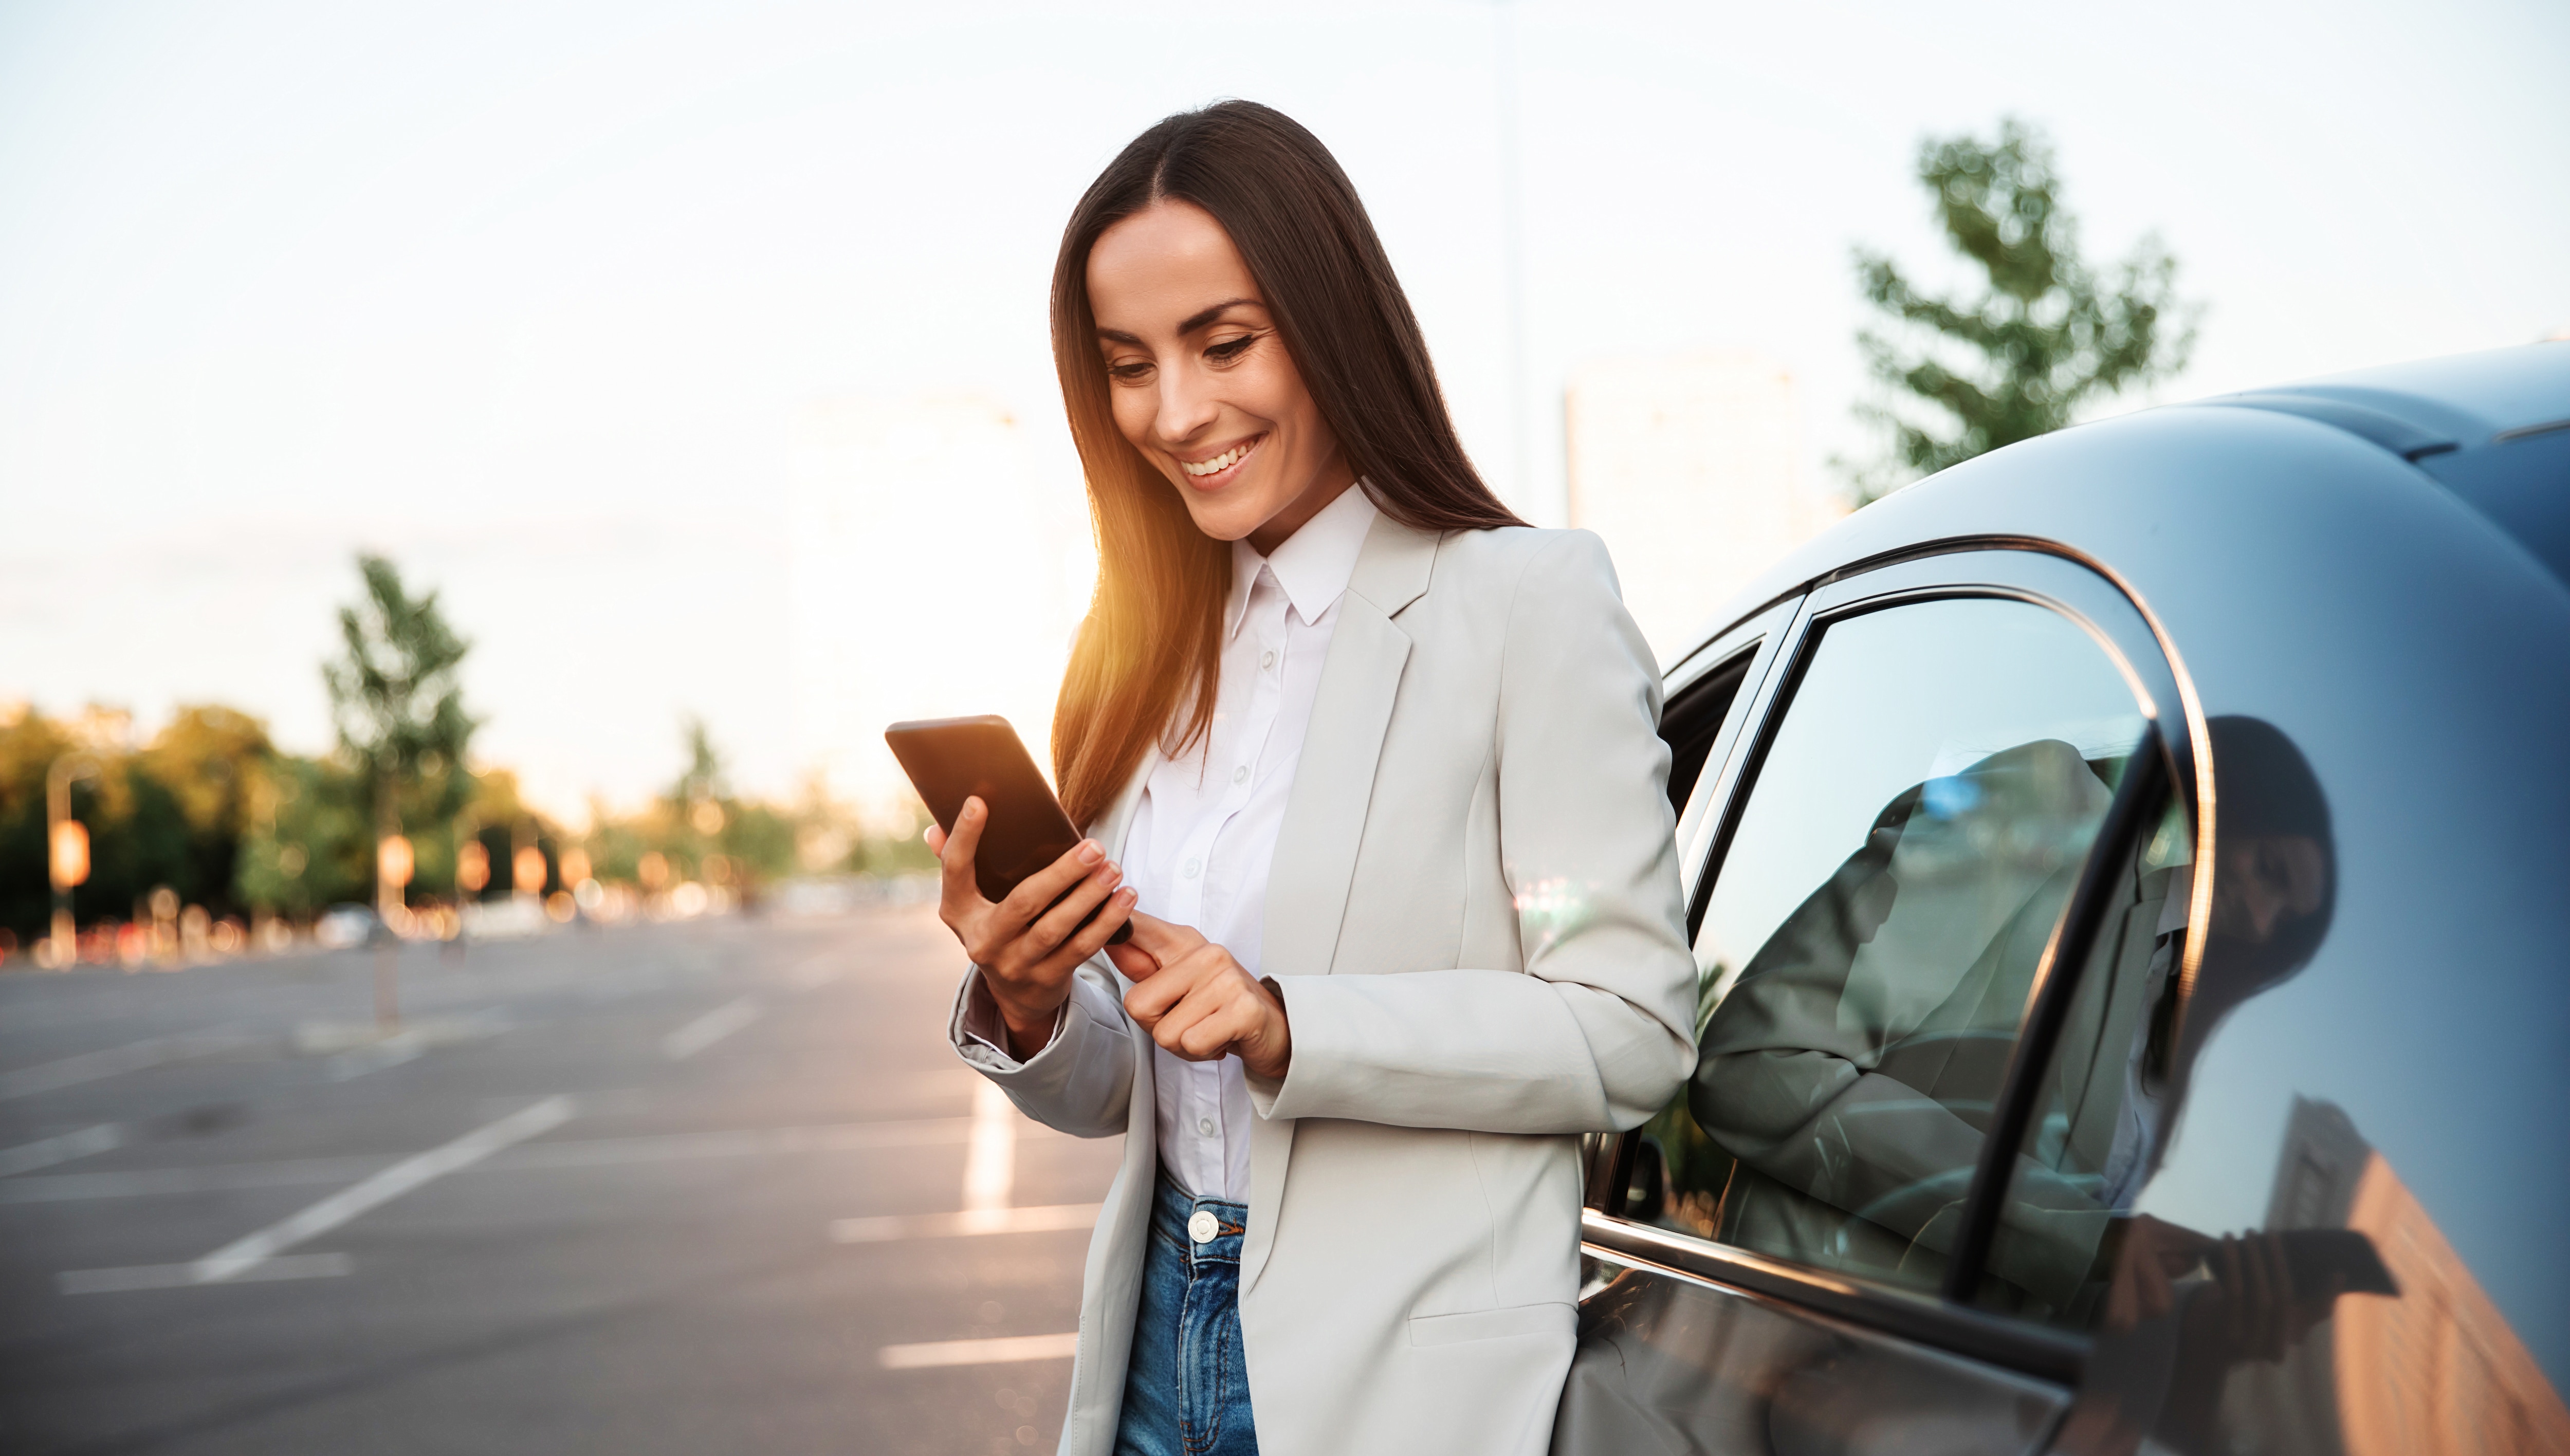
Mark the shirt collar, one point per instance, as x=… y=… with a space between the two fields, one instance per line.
x=1314 y=565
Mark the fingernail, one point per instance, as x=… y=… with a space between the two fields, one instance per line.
x=972 y=809
x=1128 y=895
x=1089 y=852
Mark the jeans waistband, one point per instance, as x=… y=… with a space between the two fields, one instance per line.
x=1173 y=1217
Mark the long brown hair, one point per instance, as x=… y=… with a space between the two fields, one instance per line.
x=1155 y=627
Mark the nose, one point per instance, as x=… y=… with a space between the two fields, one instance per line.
x=1187 y=406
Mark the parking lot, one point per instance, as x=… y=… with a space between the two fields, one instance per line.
x=688 y=1187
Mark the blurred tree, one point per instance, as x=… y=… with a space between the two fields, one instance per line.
x=29 y=743
x=2045 y=335
x=310 y=846
x=398 y=706
x=212 y=760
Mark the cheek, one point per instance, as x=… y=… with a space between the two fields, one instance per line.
x=1132 y=409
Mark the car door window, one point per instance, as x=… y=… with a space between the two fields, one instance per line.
x=1912 y=832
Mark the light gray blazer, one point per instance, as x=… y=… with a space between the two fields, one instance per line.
x=1474 y=917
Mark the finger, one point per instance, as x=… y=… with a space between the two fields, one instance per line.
x=1163 y=941
x=1150 y=1000
x=955 y=857
x=936 y=840
x=1093 y=937
x=1135 y=963
x=1020 y=907
x=1053 y=928
x=1200 y=1028
x=1233 y=1018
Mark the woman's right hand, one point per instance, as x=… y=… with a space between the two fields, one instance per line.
x=1028 y=952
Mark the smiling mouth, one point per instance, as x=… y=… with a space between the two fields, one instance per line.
x=1202 y=472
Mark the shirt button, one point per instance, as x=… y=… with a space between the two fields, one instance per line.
x=1192 y=867
x=1267 y=661
x=1201 y=1226
x=1204 y=1125
x=1240 y=774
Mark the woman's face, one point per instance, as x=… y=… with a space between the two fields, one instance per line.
x=1201 y=379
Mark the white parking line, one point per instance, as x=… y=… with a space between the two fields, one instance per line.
x=991 y=1157
x=115 y=1061
x=711 y=1027
x=899 y=1227
x=179 y=1276
x=844 y=1136
x=1004 y=1350
x=243 y=1255
x=46 y=1152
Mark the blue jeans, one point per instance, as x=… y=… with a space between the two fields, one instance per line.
x=1186 y=1388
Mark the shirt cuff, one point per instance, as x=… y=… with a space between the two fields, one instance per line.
x=982 y=1024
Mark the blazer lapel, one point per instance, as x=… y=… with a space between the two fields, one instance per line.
x=1316 y=848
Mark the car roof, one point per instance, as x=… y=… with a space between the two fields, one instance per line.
x=2491 y=428
x=2467 y=399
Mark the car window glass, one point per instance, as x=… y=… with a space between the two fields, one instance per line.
x=2299 y=1178
x=1909 y=840
x=2097 y=1105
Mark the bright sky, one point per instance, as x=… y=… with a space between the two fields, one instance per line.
x=530 y=295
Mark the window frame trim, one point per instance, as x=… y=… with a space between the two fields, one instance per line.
x=2081 y=589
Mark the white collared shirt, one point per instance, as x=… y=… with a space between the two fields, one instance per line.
x=1204 y=835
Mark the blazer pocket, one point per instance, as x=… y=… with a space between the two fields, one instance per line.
x=1546 y=1318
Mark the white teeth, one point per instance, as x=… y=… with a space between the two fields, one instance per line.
x=1219 y=462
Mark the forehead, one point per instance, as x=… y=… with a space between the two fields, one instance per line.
x=1162 y=265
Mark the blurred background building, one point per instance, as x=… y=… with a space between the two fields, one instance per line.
x=1689 y=466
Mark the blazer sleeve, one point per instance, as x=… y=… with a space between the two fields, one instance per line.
x=1081 y=1083
x=1597 y=1032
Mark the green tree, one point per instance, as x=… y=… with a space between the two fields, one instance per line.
x=2047 y=334
x=398 y=706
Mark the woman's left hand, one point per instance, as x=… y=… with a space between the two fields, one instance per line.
x=1198 y=1002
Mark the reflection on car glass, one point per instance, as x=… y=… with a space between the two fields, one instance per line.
x=1854 y=1066
x=1914 y=834
x=2345 y=1309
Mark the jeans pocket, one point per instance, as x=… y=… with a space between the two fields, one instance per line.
x=1549 y=1318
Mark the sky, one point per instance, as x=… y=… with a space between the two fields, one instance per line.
x=530 y=295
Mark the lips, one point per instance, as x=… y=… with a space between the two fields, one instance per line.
x=1207 y=472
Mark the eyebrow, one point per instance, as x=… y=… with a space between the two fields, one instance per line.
x=1194 y=321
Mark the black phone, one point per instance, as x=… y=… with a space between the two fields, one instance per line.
x=952 y=758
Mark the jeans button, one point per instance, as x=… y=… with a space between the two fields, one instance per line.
x=1201 y=1226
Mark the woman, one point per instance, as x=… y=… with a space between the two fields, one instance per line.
x=1373 y=770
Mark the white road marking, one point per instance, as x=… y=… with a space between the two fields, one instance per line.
x=1004 y=1350
x=711 y=1027
x=392 y=1051
x=116 y=1061
x=180 y=1275
x=243 y=1256
x=991 y=1157
x=46 y=1152
x=844 y=1136
x=230 y=1261
x=972 y=1221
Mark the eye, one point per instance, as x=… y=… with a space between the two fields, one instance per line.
x=1130 y=371
x=1230 y=349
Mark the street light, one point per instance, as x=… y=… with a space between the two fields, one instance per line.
x=66 y=849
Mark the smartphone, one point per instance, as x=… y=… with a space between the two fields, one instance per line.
x=952 y=758
x=2318 y=1260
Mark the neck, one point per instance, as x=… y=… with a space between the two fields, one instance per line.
x=1281 y=527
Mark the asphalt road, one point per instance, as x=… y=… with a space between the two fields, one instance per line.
x=713 y=1186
